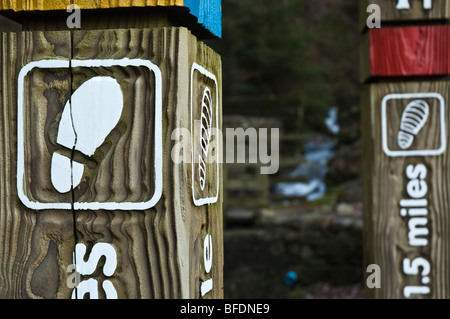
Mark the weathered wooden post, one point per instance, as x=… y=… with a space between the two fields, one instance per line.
x=110 y=176
x=405 y=106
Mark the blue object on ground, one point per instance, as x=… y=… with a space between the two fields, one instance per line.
x=291 y=278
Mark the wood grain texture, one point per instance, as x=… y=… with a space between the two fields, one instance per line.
x=97 y=4
x=116 y=18
x=389 y=14
x=208 y=218
x=33 y=5
x=144 y=241
x=204 y=15
x=160 y=250
x=386 y=233
x=19 y=5
x=408 y=51
x=35 y=248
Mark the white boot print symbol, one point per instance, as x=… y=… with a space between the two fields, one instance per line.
x=93 y=112
x=413 y=119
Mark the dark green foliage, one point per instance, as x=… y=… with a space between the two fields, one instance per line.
x=290 y=58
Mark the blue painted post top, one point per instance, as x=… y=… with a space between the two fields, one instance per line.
x=208 y=13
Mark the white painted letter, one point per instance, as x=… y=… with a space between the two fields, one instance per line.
x=404 y=5
x=415 y=290
x=416 y=231
x=99 y=250
x=89 y=286
x=88 y=268
x=412 y=267
x=207 y=253
x=427 y=4
x=207 y=285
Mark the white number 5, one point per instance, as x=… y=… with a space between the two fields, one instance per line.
x=412 y=268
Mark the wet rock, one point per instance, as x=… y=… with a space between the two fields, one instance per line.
x=345 y=209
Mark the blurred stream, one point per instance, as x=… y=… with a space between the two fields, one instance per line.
x=318 y=150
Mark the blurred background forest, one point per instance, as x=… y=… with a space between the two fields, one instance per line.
x=293 y=64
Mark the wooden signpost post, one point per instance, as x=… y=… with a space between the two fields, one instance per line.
x=406 y=118
x=94 y=202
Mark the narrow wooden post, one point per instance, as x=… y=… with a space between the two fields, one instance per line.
x=405 y=114
x=110 y=174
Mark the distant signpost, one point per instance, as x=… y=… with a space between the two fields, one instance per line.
x=405 y=126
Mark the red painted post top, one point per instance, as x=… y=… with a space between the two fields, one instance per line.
x=410 y=51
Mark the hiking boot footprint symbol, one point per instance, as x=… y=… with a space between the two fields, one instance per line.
x=413 y=119
x=87 y=119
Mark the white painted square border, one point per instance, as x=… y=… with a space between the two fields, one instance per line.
x=48 y=64
x=398 y=153
x=213 y=199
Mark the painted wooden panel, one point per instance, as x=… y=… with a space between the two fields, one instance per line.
x=33 y=5
x=405 y=136
x=407 y=51
x=207 y=12
x=205 y=74
x=405 y=139
x=19 y=5
x=97 y=184
x=144 y=241
x=95 y=4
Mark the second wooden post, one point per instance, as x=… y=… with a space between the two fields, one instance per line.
x=405 y=138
